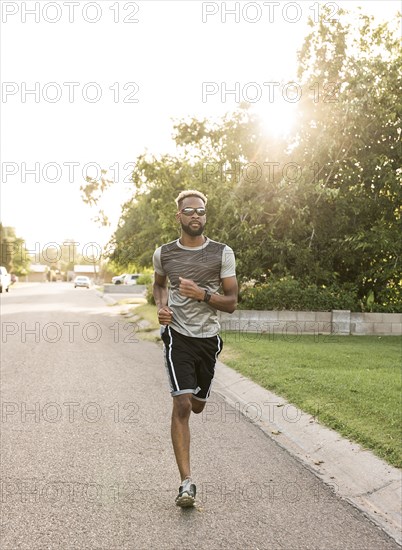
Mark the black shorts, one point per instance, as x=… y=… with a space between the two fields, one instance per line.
x=190 y=362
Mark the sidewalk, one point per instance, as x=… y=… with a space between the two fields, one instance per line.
x=356 y=475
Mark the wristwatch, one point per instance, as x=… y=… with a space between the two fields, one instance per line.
x=207 y=297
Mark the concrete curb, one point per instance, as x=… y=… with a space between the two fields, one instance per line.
x=113 y=299
x=355 y=474
x=108 y=299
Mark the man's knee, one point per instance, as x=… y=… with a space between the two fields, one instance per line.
x=197 y=406
x=182 y=405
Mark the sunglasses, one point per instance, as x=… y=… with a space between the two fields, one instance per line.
x=190 y=211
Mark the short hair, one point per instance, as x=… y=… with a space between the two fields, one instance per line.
x=190 y=193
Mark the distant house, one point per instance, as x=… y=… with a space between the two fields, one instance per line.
x=37 y=273
x=90 y=271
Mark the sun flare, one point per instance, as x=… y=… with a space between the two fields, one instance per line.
x=277 y=118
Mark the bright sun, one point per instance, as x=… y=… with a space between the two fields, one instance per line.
x=277 y=118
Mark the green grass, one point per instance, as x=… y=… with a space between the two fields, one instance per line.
x=351 y=384
x=133 y=300
x=148 y=312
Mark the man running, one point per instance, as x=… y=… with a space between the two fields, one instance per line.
x=197 y=267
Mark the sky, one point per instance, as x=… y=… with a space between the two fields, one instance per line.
x=107 y=81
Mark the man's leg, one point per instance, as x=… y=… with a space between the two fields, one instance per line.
x=180 y=431
x=182 y=406
x=197 y=406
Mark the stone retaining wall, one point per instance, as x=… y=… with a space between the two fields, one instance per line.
x=342 y=322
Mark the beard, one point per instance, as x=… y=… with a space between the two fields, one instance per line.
x=193 y=231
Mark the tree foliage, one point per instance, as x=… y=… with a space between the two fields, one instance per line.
x=324 y=206
x=356 y=142
x=13 y=254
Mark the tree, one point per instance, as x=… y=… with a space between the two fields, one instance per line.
x=355 y=141
x=336 y=219
x=14 y=256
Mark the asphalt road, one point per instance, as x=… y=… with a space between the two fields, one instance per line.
x=87 y=461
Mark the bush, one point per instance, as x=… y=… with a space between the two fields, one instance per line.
x=290 y=294
x=144 y=279
x=149 y=294
x=387 y=301
x=386 y=308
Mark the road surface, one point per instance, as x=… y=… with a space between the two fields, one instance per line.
x=87 y=461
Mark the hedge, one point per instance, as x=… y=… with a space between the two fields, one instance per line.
x=290 y=294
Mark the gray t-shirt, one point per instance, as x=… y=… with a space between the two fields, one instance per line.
x=206 y=265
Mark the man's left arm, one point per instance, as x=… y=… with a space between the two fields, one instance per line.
x=226 y=302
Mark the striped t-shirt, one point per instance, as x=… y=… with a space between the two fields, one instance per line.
x=206 y=265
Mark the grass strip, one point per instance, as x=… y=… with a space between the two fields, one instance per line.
x=148 y=313
x=352 y=384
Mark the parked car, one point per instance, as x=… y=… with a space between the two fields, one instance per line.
x=5 y=279
x=118 y=279
x=131 y=279
x=82 y=280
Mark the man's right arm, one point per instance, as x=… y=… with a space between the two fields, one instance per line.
x=160 y=292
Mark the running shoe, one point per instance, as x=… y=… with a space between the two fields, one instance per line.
x=186 y=496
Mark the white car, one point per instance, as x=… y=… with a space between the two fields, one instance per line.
x=5 y=279
x=82 y=280
x=118 y=279
x=131 y=279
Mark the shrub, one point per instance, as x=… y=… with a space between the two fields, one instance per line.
x=290 y=294
x=144 y=279
x=149 y=294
